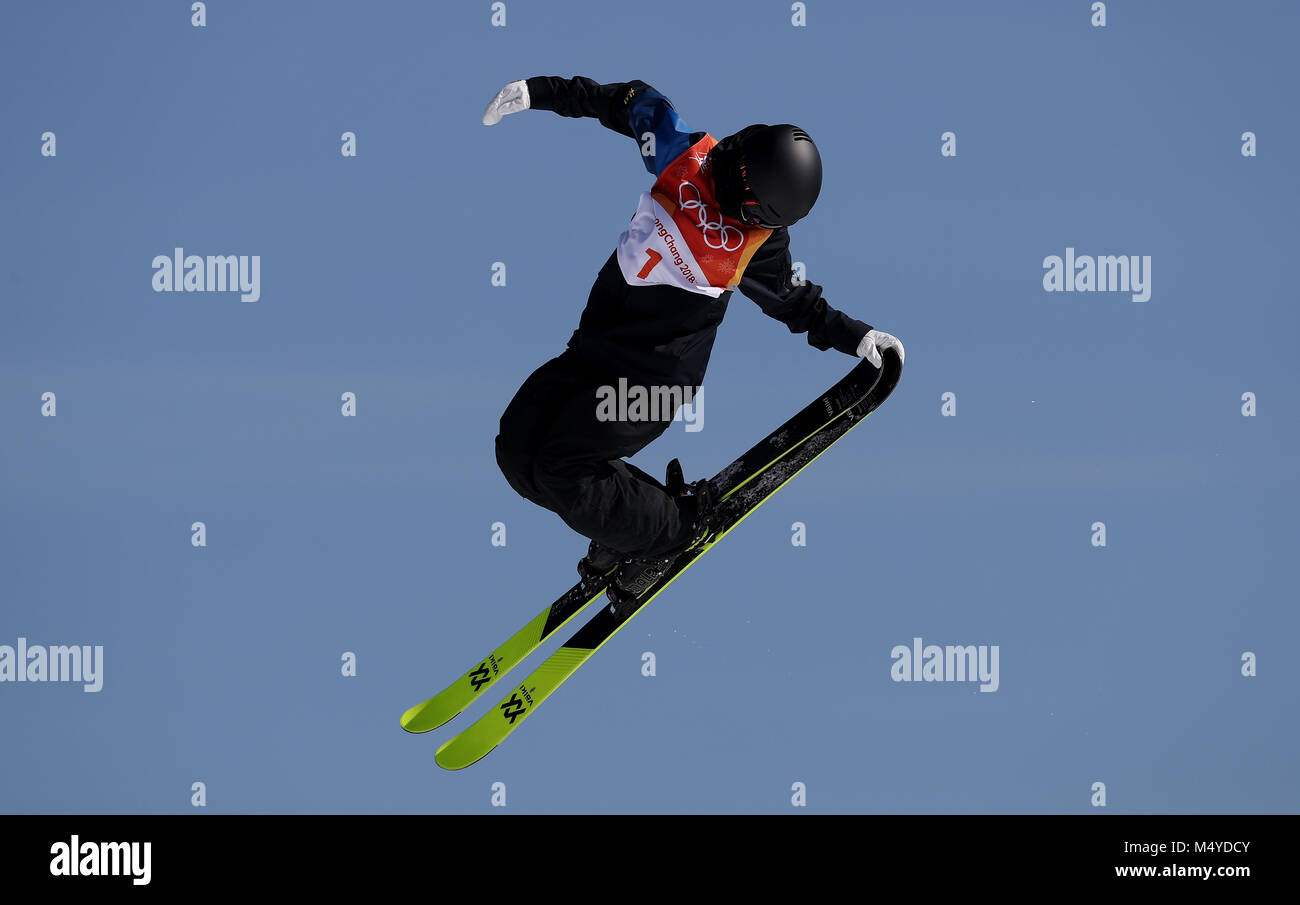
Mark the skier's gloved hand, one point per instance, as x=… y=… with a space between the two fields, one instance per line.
x=510 y=99
x=875 y=343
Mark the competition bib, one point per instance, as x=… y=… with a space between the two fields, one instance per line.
x=680 y=238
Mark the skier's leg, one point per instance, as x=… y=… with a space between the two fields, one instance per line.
x=643 y=476
x=529 y=418
x=599 y=495
x=555 y=452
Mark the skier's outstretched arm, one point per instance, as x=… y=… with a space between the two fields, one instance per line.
x=767 y=282
x=629 y=108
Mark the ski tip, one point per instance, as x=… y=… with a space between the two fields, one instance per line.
x=449 y=762
x=412 y=724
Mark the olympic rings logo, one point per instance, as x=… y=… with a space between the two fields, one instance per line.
x=709 y=227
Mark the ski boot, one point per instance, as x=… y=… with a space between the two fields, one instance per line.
x=594 y=568
x=636 y=576
x=596 y=565
x=675 y=480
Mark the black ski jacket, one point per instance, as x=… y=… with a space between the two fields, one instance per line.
x=663 y=334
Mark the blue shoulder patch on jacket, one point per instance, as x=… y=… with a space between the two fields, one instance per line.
x=651 y=112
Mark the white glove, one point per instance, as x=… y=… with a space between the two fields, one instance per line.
x=876 y=342
x=510 y=99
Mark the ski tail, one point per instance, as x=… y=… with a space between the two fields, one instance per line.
x=448 y=703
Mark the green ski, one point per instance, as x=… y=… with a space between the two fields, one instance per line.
x=449 y=702
x=456 y=697
x=741 y=488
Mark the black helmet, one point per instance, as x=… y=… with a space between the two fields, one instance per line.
x=766 y=176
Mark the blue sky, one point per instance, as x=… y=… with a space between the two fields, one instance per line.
x=372 y=534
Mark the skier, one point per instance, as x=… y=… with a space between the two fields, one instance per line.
x=714 y=220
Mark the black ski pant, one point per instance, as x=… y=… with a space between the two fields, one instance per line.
x=556 y=452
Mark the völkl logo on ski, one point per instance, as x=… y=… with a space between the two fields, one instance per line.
x=513 y=708
x=480 y=677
